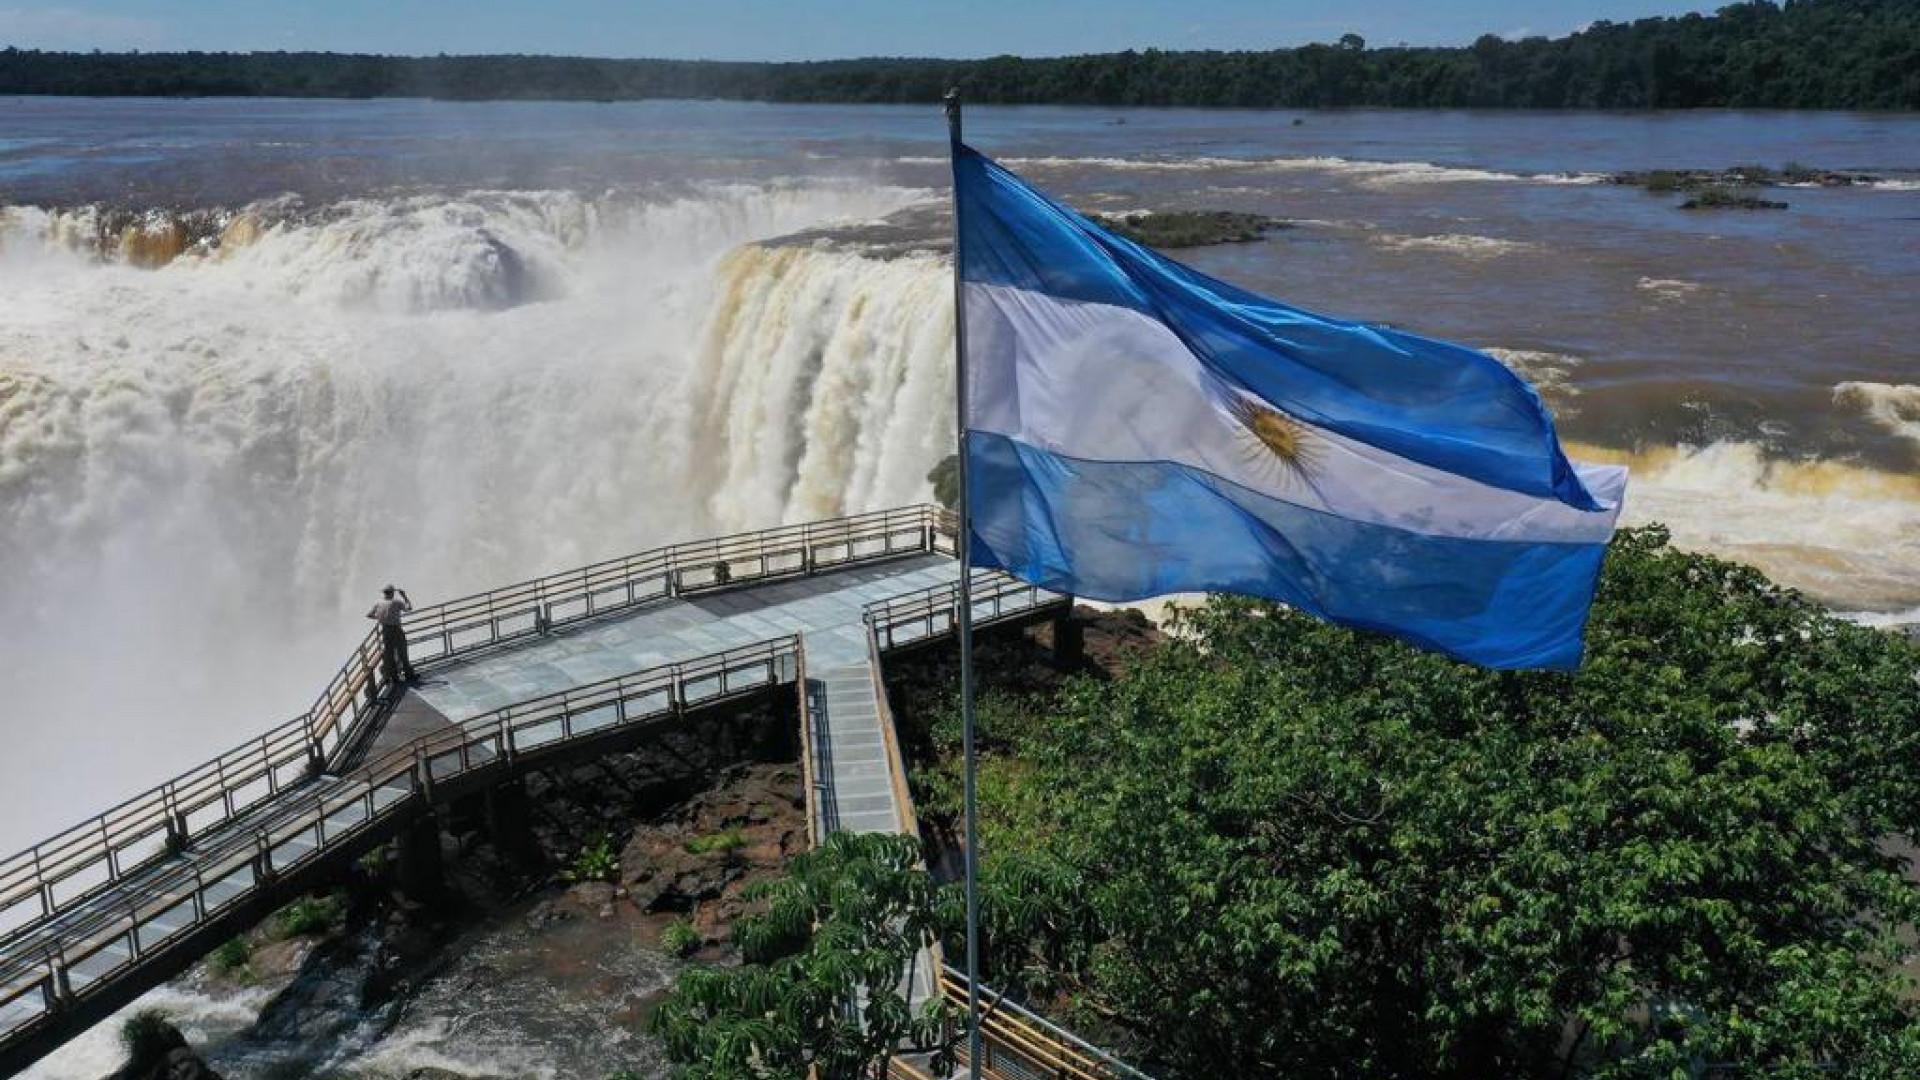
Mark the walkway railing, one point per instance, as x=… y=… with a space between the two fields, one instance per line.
x=485 y=620
x=105 y=941
x=66 y=869
x=911 y=618
x=1019 y=1044
x=38 y=884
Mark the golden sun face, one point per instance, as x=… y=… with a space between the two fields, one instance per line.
x=1273 y=439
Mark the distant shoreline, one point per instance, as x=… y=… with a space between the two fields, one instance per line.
x=1853 y=55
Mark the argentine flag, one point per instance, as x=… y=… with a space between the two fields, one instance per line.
x=1136 y=428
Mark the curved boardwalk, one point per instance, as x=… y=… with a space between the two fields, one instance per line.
x=575 y=664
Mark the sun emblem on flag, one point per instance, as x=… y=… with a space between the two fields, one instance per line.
x=1274 y=440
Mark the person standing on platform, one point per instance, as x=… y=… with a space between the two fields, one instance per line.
x=388 y=612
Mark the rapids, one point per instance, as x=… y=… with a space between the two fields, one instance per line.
x=485 y=342
x=208 y=467
x=222 y=431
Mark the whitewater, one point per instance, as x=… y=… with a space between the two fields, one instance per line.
x=209 y=467
x=227 y=419
x=219 y=439
x=534 y=337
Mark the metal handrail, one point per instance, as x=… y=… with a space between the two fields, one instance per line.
x=152 y=824
x=38 y=884
x=917 y=616
x=1040 y=1047
x=307 y=826
x=504 y=614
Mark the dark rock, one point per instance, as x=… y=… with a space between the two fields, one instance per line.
x=165 y=1055
x=1190 y=228
x=662 y=871
x=1661 y=180
x=1716 y=198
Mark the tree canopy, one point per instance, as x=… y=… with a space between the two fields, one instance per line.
x=845 y=924
x=1828 y=54
x=1276 y=847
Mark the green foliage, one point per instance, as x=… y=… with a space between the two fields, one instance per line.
x=1189 y=228
x=1665 y=181
x=680 y=938
x=1282 y=848
x=723 y=841
x=597 y=861
x=146 y=1035
x=945 y=478
x=231 y=958
x=309 y=915
x=848 y=918
x=1727 y=198
x=1830 y=54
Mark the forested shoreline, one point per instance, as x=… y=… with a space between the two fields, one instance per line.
x=1807 y=54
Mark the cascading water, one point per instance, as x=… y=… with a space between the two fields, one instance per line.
x=208 y=467
x=221 y=432
x=825 y=383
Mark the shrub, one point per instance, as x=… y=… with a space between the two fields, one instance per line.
x=231 y=958
x=309 y=915
x=1665 y=180
x=945 y=478
x=147 y=1035
x=1728 y=198
x=373 y=862
x=725 y=840
x=850 y=918
x=597 y=861
x=680 y=938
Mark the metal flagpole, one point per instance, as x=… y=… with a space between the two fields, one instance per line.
x=965 y=545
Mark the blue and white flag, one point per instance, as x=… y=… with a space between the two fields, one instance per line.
x=1136 y=428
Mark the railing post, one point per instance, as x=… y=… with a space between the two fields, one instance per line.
x=316 y=757
x=423 y=774
x=62 y=983
x=176 y=832
x=263 y=871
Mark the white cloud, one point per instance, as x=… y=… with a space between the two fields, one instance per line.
x=1519 y=34
x=72 y=28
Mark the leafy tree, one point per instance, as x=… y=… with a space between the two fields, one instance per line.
x=826 y=965
x=1281 y=848
x=945 y=478
x=1833 y=54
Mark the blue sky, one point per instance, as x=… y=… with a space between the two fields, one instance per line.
x=783 y=29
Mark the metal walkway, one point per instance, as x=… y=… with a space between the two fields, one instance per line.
x=582 y=662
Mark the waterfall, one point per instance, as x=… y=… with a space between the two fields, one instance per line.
x=216 y=445
x=824 y=385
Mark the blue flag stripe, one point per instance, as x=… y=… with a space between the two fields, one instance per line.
x=1126 y=531
x=1433 y=402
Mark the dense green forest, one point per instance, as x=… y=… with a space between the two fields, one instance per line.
x=1831 y=54
x=1271 y=847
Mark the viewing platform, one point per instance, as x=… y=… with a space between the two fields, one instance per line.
x=572 y=665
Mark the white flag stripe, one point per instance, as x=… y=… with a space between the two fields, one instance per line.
x=1105 y=383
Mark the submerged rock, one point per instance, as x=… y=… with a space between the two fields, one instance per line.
x=1714 y=198
x=1660 y=180
x=1190 y=228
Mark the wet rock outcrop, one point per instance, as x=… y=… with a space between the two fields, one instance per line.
x=157 y=1051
